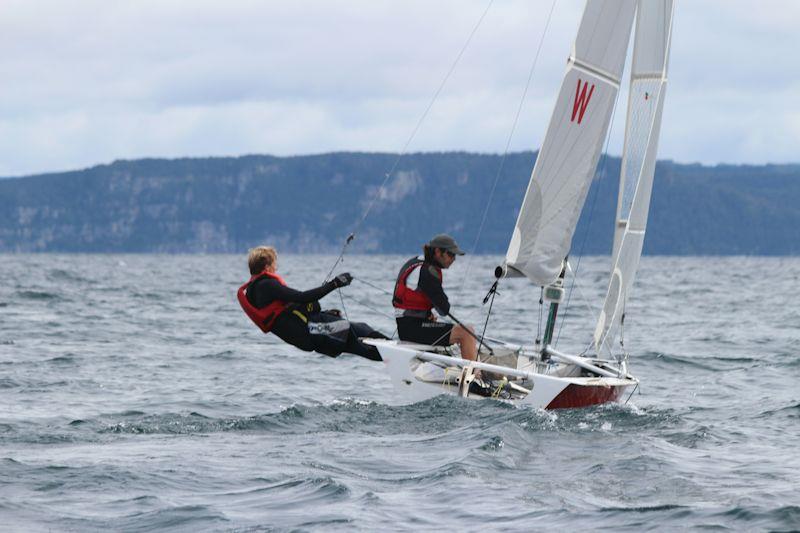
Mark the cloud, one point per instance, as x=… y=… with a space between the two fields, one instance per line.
x=91 y=81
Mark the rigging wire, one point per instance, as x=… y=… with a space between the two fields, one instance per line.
x=384 y=291
x=492 y=292
x=631 y=394
x=592 y=311
x=371 y=308
x=541 y=311
x=508 y=144
x=341 y=298
x=381 y=190
x=515 y=122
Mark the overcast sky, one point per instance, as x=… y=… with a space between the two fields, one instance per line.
x=86 y=82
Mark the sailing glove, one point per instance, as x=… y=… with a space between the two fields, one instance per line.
x=342 y=280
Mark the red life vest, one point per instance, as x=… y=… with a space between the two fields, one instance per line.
x=411 y=299
x=265 y=317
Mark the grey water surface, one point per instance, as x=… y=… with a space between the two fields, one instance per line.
x=136 y=396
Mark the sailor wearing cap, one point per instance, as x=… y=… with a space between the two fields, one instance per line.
x=418 y=291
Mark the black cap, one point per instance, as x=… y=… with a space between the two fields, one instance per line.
x=446 y=242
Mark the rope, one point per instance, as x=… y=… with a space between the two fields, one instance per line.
x=382 y=188
x=508 y=145
x=440 y=338
x=465 y=329
x=481 y=342
x=499 y=389
x=482 y=339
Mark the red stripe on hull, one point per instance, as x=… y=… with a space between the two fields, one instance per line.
x=584 y=396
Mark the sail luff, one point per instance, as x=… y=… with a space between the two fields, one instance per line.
x=646 y=102
x=574 y=139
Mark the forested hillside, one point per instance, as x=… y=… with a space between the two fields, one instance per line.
x=311 y=203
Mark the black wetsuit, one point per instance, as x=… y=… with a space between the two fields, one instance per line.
x=419 y=326
x=292 y=325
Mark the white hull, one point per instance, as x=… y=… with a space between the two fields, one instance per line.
x=550 y=385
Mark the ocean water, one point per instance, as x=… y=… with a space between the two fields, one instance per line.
x=136 y=396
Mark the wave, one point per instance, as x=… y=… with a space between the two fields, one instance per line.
x=226 y=355
x=180 y=517
x=645 y=508
x=440 y=417
x=792 y=362
x=693 y=436
x=8 y=383
x=293 y=419
x=61 y=275
x=298 y=492
x=341 y=416
x=792 y=410
x=445 y=420
x=787 y=516
x=65 y=359
x=154 y=296
x=40 y=295
x=703 y=362
x=44 y=436
x=607 y=417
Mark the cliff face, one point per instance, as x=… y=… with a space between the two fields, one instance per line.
x=311 y=203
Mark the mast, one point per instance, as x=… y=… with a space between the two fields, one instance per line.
x=555 y=295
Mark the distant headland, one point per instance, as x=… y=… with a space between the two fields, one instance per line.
x=309 y=204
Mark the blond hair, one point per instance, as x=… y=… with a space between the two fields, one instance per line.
x=261 y=257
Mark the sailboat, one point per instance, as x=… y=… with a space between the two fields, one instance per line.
x=539 y=375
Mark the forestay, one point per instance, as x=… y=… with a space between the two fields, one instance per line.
x=573 y=142
x=645 y=104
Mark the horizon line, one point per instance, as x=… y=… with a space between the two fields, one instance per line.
x=365 y=152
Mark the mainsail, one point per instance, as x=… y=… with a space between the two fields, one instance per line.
x=573 y=142
x=645 y=104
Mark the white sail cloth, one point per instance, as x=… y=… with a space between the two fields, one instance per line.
x=568 y=158
x=645 y=105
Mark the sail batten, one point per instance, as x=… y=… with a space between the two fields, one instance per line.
x=599 y=74
x=572 y=144
x=648 y=76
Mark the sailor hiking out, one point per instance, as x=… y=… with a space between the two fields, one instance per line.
x=296 y=316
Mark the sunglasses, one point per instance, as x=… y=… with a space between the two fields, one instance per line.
x=450 y=254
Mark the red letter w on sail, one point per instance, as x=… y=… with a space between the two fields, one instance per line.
x=581 y=100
